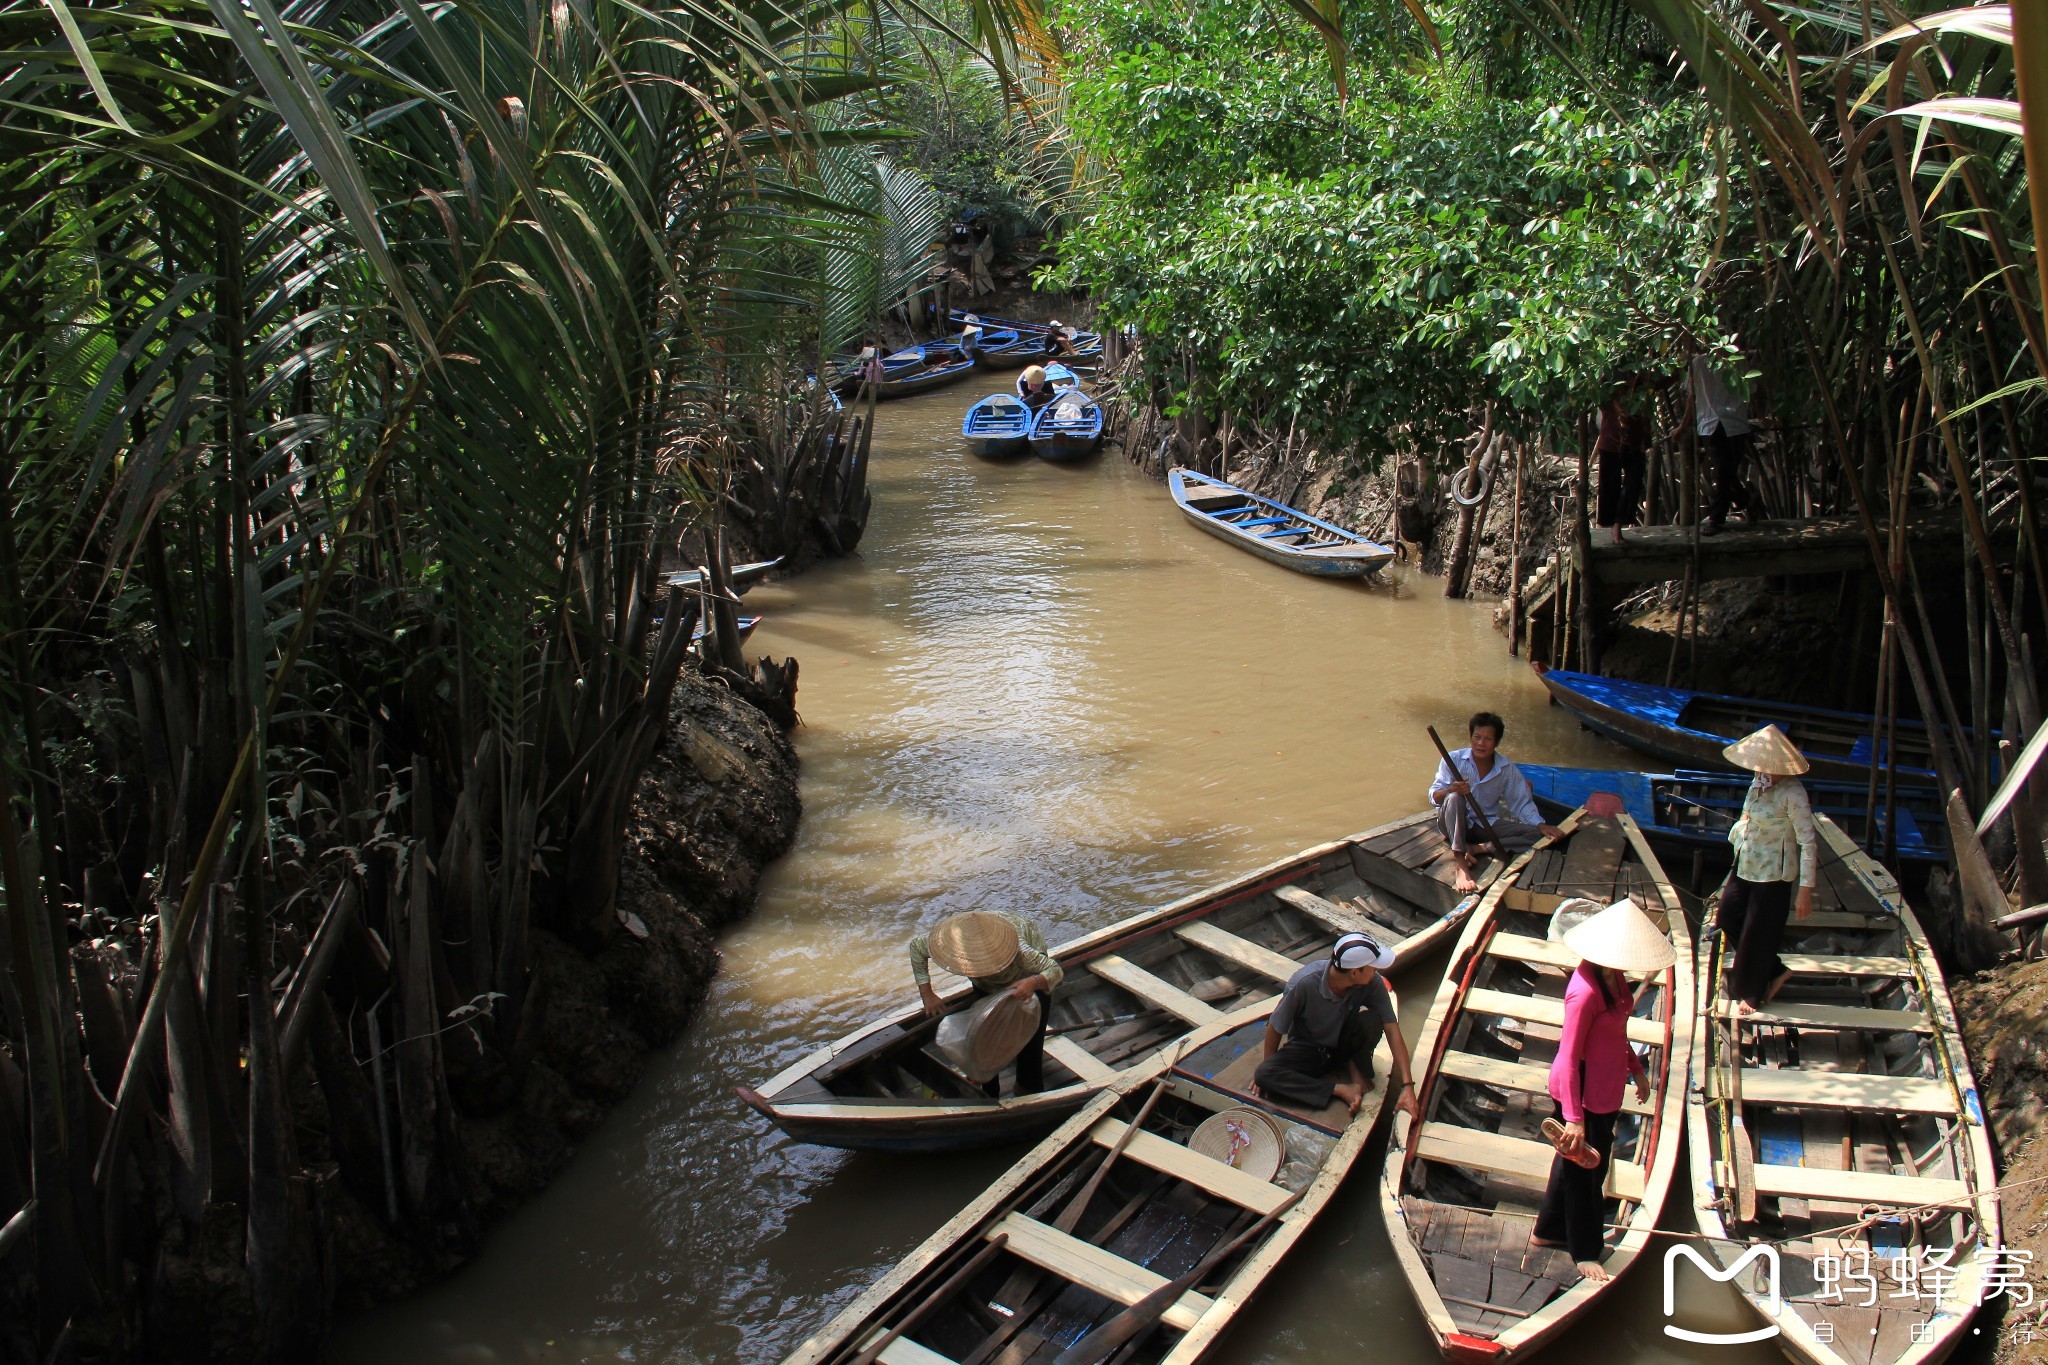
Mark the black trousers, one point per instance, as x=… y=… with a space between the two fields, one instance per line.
x=1306 y=1073
x=1726 y=455
x=1574 y=1209
x=1752 y=920
x=1030 y=1062
x=1621 y=486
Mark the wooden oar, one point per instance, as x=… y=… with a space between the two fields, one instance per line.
x=1485 y=825
x=1741 y=1159
x=933 y=1299
x=1144 y=1315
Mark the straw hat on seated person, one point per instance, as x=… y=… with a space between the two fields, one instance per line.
x=975 y=943
x=1767 y=751
x=1624 y=938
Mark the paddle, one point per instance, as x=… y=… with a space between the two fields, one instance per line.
x=933 y=1299
x=1485 y=825
x=1144 y=1315
x=1742 y=1159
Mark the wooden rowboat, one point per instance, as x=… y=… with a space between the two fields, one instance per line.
x=1691 y=728
x=743 y=576
x=1462 y=1186
x=1004 y=1276
x=1273 y=531
x=1133 y=991
x=1862 y=1123
x=1692 y=810
x=1068 y=428
x=998 y=426
x=946 y=365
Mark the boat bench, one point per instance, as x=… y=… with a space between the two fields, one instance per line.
x=1205 y=1173
x=1845 y=1090
x=1544 y=1009
x=1154 y=989
x=1517 y=1159
x=1258 y=521
x=1241 y=951
x=1845 y=1017
x=1523 y=1076
x=1097 y=1270
x=1857 y=1187
x=1835 y=964
x=1288 y=531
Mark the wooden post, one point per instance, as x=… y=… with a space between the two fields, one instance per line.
x=1582 y=544
x=1515 y=556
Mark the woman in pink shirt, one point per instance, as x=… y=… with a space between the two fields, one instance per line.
x=1593 y=1062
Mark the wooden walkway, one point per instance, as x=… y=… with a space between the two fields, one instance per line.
x=1658 y=554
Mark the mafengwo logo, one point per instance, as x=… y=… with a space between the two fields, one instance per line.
x=1771 y=1305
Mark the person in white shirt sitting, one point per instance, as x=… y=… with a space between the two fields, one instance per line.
x=1493 y=784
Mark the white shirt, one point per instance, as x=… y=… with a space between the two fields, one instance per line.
x=1716 y=406
x=1503 y=791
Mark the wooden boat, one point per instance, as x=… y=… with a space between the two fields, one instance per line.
x=1863 y=1126
x=1087 y=345
x=1273 y=531
x=1068 y=428
x=1691 y=728
x=1462 y=1186
x=746 y=625
x=1002 y=348
x=1004 y=1276
x=1689 y=810
x=943 y=365
x=1061 y=377
x=743 y=575
x=1132 y=990
x=998 y=426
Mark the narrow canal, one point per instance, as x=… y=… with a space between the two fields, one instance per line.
x=1036 y=689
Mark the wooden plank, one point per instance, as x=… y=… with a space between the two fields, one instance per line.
x=1079 y=1060
x=1245 y=953
x=1329 y=913
x=1545 y=1010
x=1153 y=989
x=1522 y=1076
x=1522 y=948
x=1094 y=1269
x=1835 y=964
x=1593 y=857
x=1516 y=1158
x=1805 y=1182
x=1846 y=1090
x=1203 y=1172
x=1839 y=1017
x=904 y=1351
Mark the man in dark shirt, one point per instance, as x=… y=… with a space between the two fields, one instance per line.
x=1331 y=1016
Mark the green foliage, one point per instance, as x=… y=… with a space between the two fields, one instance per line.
x=1377 y=268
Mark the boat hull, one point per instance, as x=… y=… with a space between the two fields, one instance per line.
x=958 y=1128
x=1065 y=449
x=926 y=382
x=1353 y=557
x=999 y=447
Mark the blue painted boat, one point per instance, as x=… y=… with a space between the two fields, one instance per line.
x=909 y=366
x=1691 y=728
x=998 y=427
x=1059 y=377
x=1692 y=809
x=1274 y=531
x=1068 y=428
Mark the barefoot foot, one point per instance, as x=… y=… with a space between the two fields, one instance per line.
x=1593 y=1272
x=1777 y=986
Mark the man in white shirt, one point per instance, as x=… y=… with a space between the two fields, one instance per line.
x=1721 y=416
x=1497 y=786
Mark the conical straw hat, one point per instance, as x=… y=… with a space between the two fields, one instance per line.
x=1569 y=915
x=1767 y=751
x=986 y=1036
x=1622 y=937
x=976 y=943
x=1240 y=1137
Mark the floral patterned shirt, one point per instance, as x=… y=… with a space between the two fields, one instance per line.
x=1774 y=840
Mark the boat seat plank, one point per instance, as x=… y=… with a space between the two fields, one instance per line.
x=1287 y=531
x=1153 y=989
x=1846 y=1090
x=1329 y=913
x=1515 y=1158
x=904 y=1351
x=1522 y=948
x=1856 y=1187
x=1546 y=1010
x=1233 y=948
x=1522 y=1076
x=1203 y=1172
x=1094 y=1269
x=1258 y=521
x=1839 y=1017
x=1835 y=964
x=1079 y=1060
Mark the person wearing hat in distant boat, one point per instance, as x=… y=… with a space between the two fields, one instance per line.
x=1775 y=850
x=997 y=951
x=1328 y=1021
x=1586 y=1076
x=1059 y=338
x=1034 y=388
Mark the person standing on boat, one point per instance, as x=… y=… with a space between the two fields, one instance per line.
x=1593 y=1061
x=1503 y=794
x=1033 y=387
x=1329 y=1019
x=1775 y=849
x=996 y=951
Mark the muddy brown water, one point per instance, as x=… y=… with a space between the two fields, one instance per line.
x=1037 y=688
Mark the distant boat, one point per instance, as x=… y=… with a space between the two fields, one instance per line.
x=1059 y=377
x=1691 y=809
x=1068 y=428
x=1133 y=990
x=746 y=623
x=910 y=366
x=1691 y=728
x=1862 y=1133
x=1001 y=348
x=742 y=575
x=1087 y=345
x=1274 y=531
x=997 y=427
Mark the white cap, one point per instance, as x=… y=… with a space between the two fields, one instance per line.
x=1355 y=951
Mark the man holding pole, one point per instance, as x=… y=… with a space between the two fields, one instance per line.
x=1483 y=802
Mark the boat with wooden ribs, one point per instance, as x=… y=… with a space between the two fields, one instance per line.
x=1132 y=992
x=1462 y=1186
x=1860 y=1136
x=1146 y=1191
x=1691 y=728
x=1692 y=809
x=942 y=365
x=1274 y=531
x=1068 y=428
x=998 y=427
